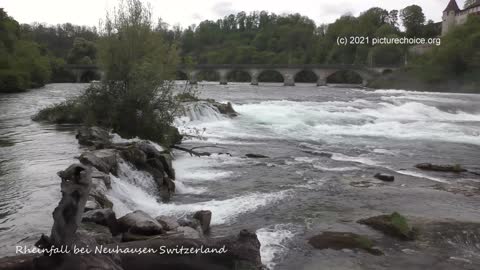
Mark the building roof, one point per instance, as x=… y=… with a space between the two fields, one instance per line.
x=452 y=6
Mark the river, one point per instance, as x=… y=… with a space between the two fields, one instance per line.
x=324 y=145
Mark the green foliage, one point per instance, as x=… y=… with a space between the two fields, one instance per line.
x=413 y=20
x=84 y=52
x=23 y=63
x=457 y=58
x=400 y=223
x=135 y=98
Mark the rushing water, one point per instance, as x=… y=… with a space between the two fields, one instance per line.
x=298 y=191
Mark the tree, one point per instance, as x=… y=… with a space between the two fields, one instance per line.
x=413 y=20
x=139 y=66
x=468 y=3
x=82 y=52
x=23 y=63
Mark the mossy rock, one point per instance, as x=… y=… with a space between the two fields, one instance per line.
x=394 y=225
x=343 y=240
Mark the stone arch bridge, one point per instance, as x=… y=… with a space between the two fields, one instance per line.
x=288 y=72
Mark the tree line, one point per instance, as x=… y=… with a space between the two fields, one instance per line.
x=254 y=38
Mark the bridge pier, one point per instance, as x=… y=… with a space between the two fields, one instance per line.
x=288 y=76
x=223 y=76
x=254 y=76
x=321 y=82
x=192 y=77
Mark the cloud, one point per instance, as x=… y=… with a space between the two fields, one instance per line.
x=223 y=8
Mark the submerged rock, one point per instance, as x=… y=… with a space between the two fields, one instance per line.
x=256 y=156
x=385 y=177
x=394 y=225
x=441 y=168
x=139 y=222
x=343 y=240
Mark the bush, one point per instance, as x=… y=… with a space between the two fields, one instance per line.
x=135 y=98
x=13 y=81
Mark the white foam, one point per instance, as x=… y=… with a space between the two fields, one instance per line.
x=359 y=159
x=357 y=118
x=273 y=241
x=422 y=175
x=127 y=197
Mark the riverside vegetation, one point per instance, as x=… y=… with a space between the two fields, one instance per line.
x=259 y=38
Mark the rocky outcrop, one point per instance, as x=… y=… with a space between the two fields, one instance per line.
x=225 y=108
x=105 y=160
x=84 y=219
x=204 y=217
x=394 y=225
x=75 y=186
x=93 y=136
x=343 y=240
x=441 y=168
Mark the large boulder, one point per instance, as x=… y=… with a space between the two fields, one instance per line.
x=394 y=225
x=105 y=217
x=225 y=108
x=343 y=240
x=168 y=223
x=93 y=136
x=139 y=222
x=135 y=156
x=104 y=160
x=441 y=168
x=204 y=217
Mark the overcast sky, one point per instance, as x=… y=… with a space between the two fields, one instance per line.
x=188 y=12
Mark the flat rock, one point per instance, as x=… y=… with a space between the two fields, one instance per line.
x=441 y=168
x=255 y=156
x=384 y=177
x=343 y=240
x=139 y=222
x=394 y=225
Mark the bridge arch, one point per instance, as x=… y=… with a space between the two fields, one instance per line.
x=270 y=75
x=209 y=75
x=306 y=76
x=239 y=75
x=346 y=76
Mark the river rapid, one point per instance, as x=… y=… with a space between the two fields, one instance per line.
x=324 y=145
